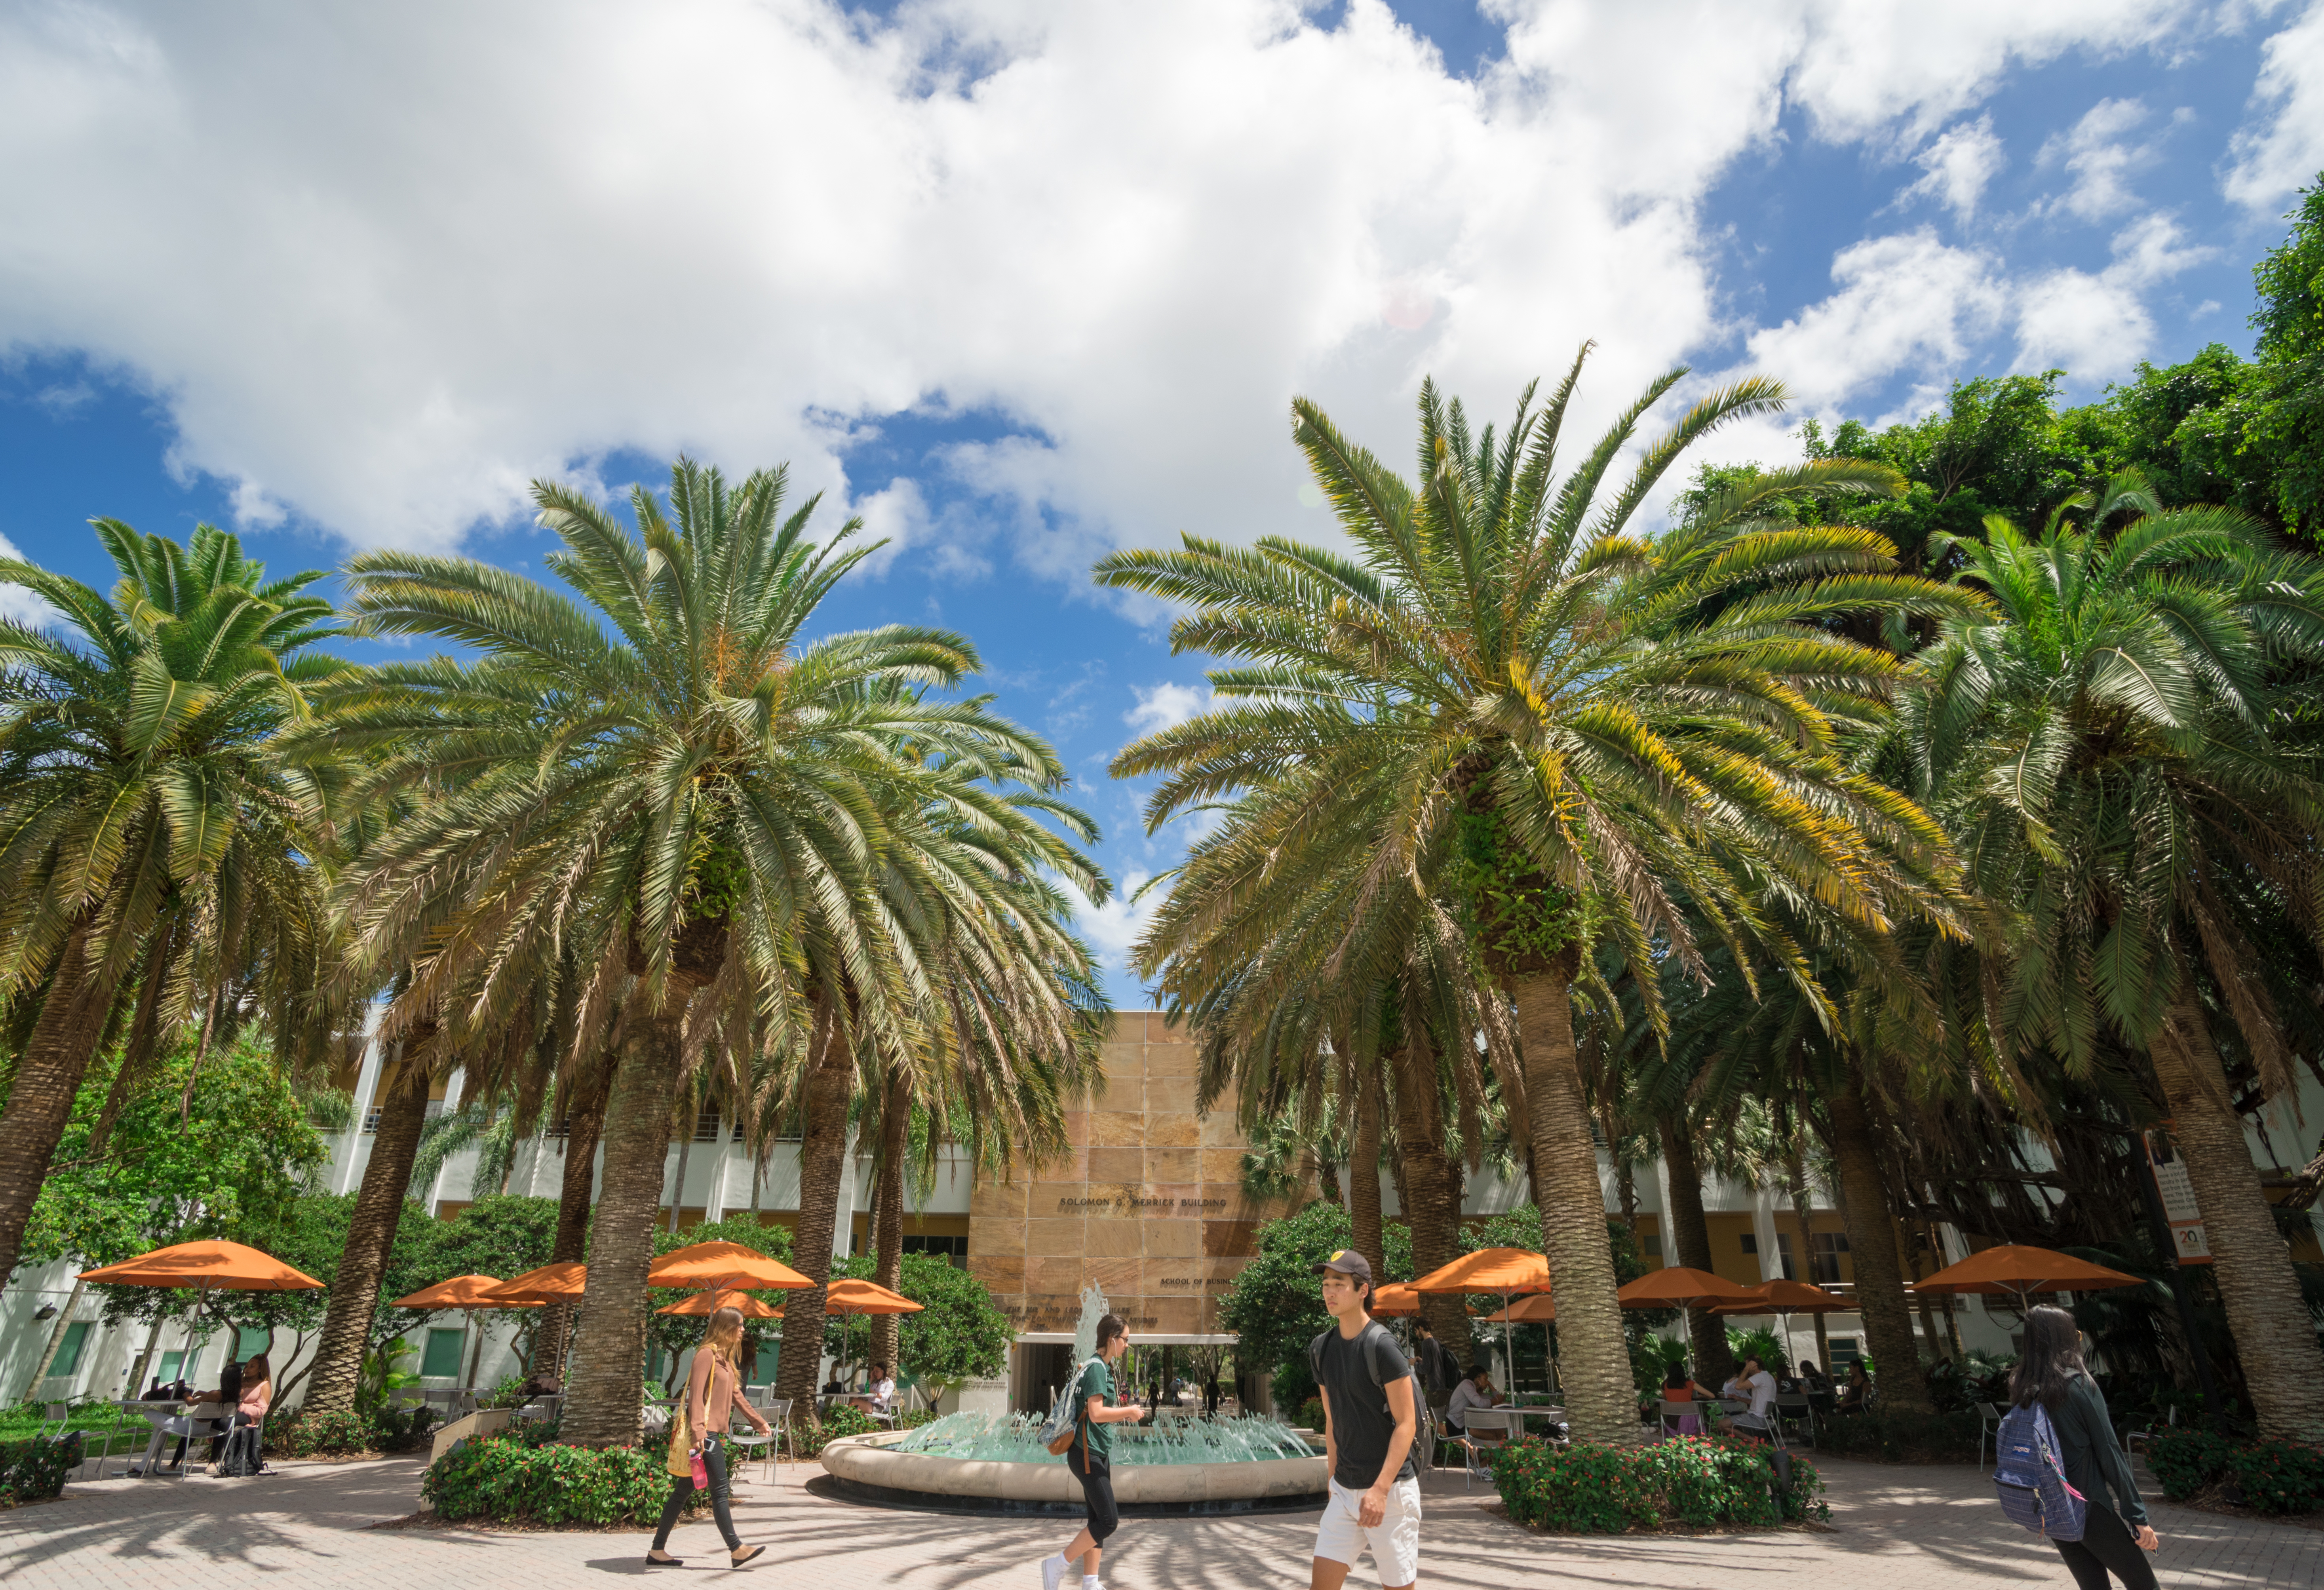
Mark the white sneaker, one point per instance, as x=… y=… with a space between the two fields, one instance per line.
x=1053 y=1569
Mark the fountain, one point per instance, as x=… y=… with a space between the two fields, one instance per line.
x=989 y=1462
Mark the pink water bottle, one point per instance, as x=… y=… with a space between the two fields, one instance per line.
x=701 y=1474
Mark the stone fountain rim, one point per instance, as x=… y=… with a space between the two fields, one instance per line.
x=861 y=1468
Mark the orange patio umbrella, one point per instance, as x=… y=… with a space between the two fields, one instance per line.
x=705 y=1304
x=864 y=1297
x=1683 y=1289
x=551 y=1284
x=461 y=1291
x=724 y=1265
x=1538 y=1308
x=1786 y=1297
x=1505 y=1273
x=1394 y=1301
x=2019 y=1272
x=210 y=1266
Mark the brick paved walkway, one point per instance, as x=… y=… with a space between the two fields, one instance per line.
x=1896 y=1529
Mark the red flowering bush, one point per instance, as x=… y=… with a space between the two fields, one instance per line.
x=1699 y=1481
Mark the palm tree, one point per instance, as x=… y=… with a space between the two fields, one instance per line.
x=659 y=777
x=149 y=827
x=2110 y=744
x=1507 y=697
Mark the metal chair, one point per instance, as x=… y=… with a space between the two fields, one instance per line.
x=1670 y=1412
x=739 y=1434
x=1483 y=1432
x=1794 y=1405
x=1988 y=1422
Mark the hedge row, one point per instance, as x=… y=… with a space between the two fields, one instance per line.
x=34 y=1470
x=1701 y=1481
x=514 y=1482
x=2275 y=1476
x=344 y=1433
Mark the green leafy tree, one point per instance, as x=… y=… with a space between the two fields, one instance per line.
x=2288 y=422
x=671 y=1335
x=957 y=1335
x=1276 y=1305
x=1509 y=699
x=151 y=834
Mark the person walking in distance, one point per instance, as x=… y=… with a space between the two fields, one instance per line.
x=1090 y=1456
x=2116 y=1537
x=1371 y=1414
x=698 y=1441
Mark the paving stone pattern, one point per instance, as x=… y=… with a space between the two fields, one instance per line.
x=1896 y=1529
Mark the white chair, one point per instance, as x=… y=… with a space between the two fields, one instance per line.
x=1671 y=1412
x=1483 y=1432
x=1794 y=1405
x=1988 y=1425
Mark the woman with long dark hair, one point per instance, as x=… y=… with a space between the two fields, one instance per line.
x=2117 y=1537
x=1090 y=1456
x=697 y=1447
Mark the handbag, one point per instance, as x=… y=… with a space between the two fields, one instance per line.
x=679 y=1462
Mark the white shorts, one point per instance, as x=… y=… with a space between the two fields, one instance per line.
x=1395 y=1540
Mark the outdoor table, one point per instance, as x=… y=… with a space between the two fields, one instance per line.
x=1551 y=1418
x=173 y=1421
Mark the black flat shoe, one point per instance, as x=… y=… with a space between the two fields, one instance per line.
x=749 y=1557
x=665 y=1562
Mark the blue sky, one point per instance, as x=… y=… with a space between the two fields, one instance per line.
x=1022 y=284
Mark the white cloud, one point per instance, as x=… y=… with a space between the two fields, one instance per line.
x=2097 y=326
x=1165 y=705
x=1908 y=302
x=2283 y=148
x=1112 y=929
x=2096 y=152
x=385 y=266
x=19 y=605
x=1958 y=166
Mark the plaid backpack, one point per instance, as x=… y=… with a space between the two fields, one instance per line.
x=2030 y=1479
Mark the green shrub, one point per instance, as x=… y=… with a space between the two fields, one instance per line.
x=510 y=1481
x=2185 y=1461
x=335 y=1434
x=1311 y=1413
x=2279 y=1476
x=845 y=1419
x=1697 y=1481
x=34 y=1470
x=1898 y=1436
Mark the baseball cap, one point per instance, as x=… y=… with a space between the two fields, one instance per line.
x=1348 y=1262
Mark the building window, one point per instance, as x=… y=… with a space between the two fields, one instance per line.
x=1751 y=1242
x=250 y=1340
x=441 y=1361
x=563 y=1129
x=68 y=1363
x=170 y=1363
x=370 y=1120
x=705 y=1126
x=1784 y=1250
x=1844 y=1352
x=1651 y=1244
x=955 y=1248
x=1824 y=1260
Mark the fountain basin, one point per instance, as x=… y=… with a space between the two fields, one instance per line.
x=862 y=1467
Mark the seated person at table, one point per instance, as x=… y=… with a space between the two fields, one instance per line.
x=834 y=1386
x=1856 y=1395
x=1476 y=1392
x=884 y=1388
x=241 y=1453
x=229 y=1391
x=1679 y=1386
x=1760 y=1387
x=1811 y=1379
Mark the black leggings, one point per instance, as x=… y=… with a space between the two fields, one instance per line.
x=1097 y=1490
x=714 y=1458
x=2106 y=1543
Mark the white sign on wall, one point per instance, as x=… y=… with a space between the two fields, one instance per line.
x=2178 y=1206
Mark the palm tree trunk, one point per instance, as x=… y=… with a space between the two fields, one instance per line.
x=888 y=1211
x=371 y=1235
x=48 y=1075
x=1872 y=1246
x=1691 y=1232
x=1803 y=1216
x=1363 y=1173
x=584 y=1123
x=1435 y=1212
x=1594 y=1360
x=1327 y=1177
x=823 y=1156
x=685 y=1148
x=2275 y=1339
x=605 y=1387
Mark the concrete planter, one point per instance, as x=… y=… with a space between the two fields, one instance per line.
x=862 y=1467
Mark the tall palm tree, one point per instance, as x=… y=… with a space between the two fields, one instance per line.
x=658 y=776
x=142 y=809
x=1508 y=698
x=2110 y=744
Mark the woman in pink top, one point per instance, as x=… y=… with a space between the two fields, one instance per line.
x=242 y=1455
x=713 y=1396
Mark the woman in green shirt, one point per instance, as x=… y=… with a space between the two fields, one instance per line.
x=2117 y=1537
x=1090 y=1456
